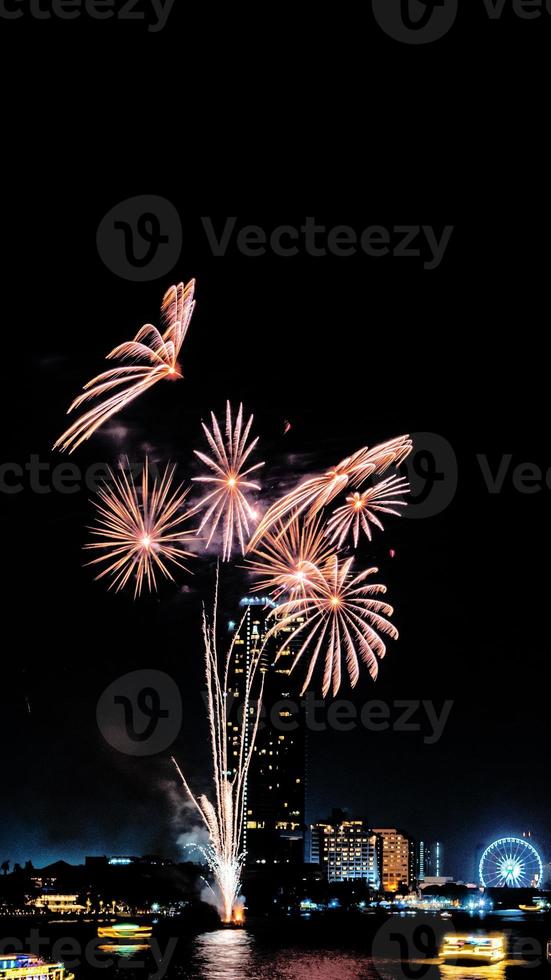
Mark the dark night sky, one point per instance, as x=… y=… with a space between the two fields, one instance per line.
x=352 y=351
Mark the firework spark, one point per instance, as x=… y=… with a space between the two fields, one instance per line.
x=360 y=510
x=224 y=818
x=289 y=559
x=227 y=500
x=139 y=534
x=317 y=492
x=157 y=356
x=341 y=616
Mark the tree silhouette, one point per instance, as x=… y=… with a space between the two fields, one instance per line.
x=5 y=867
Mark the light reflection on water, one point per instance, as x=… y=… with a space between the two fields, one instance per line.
x=224 y=955
x=496 y=971
x=125 y=951
x=234 y=955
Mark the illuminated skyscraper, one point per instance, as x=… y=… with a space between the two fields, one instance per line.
x=429 y=860
x=275 y=796
x=396 y=858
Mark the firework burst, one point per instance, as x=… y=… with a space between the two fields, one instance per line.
x=360 y=510
x=224 y=818
x=157 y=357
x=341 y=617
x=288 y=559
x=139 y=534
x=317 y=492
x=227 y=501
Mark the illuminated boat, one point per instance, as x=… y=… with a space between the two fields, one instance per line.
x=125 y=931
x=531 y=908
x=23 y=966
x=479 y=949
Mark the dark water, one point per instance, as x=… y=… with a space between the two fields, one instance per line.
x=367 y=948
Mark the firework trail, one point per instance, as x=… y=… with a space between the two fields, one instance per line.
x=157 y=357
x=139 y=534
x=288 y=559
x=317 y=492
x=224 y=817
x=340 y=617
x=227 y=500
x=360 y=509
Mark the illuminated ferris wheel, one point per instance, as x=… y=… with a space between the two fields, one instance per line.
x=511 y=862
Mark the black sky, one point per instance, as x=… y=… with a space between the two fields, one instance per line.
x=352 y=351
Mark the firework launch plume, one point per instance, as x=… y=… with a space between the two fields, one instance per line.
x=223 y=816
x=360 y=510
x=341 y=618
x=156 y=355
x=314 y=494
x=139 y=533
x=227 y=502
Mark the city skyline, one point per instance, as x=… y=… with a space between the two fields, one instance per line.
x=347 y=848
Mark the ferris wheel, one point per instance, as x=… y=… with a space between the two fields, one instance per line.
x=511 y=862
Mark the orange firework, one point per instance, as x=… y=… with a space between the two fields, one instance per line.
x=359 y=510
x=227 y=500
x=157 y=357
x=139 y=534
x=318 y=491
x=288 y=560
x=341 y=616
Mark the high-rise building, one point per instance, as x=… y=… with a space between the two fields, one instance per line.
x=428 y=862
x=346 y=850
x=436 y=855
x=397 y=858
x=275 y=794
x=421 y=861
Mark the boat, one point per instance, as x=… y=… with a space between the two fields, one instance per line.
x=125 y=931
x=474 y=948
x=24 y=966
x=531 y=908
